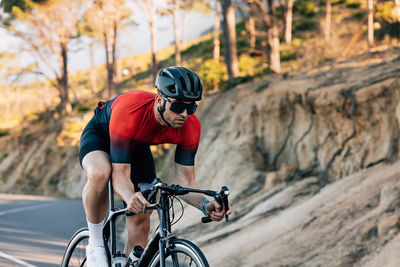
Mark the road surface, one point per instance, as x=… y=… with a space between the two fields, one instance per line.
x=35 y=230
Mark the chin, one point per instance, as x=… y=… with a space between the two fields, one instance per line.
x=177 y=125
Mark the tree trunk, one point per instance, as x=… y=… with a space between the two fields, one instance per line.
x=65 y=105
x=229 y=24
x=251 y=28
x=217 y=26
x=370 y=23
x=273 y=52
x=288 y=21
x=92 y=72
x=328 y=20
x=152 y=23
x=175 y=15
x=109 y=66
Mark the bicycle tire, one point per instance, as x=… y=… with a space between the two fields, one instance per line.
x=182 y=253
x=75 y=253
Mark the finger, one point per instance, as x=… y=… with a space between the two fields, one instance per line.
x=217 y=206
x=143 y=200
x=215 y=218
x=229 y=211
x=138 y=206
x=218 y=214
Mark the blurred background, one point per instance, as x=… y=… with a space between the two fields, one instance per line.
x=300 y=119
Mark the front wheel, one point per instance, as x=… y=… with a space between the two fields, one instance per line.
x=75 y=253
x=182 y=253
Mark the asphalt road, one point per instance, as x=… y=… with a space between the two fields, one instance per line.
x=34 y=231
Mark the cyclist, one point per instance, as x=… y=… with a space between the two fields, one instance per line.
x=116 y=142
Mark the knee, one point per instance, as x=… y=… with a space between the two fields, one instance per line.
x=98 y=177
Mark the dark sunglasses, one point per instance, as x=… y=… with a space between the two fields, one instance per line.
x=179 y=107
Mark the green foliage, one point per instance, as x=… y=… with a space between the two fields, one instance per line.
x=306 y=8
x=287 y=55
x=388 y=20
x=352 y=3
x=5 y=155
x=304 y=25
x=211 y=74
x=359 y=15
x=229 y=84
x=8 y=5
x=4 y=133
x=384 y=12
x=248 y=65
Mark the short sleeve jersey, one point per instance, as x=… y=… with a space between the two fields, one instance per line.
x=132 y=120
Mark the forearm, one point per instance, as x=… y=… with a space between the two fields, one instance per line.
x=122 y=183
x=193 y=199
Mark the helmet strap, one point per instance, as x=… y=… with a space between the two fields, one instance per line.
x=162 y=110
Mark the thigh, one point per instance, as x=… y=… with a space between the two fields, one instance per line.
x=142 y=165
x=93 y=139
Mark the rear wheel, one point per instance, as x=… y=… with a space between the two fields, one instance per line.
x=182 y=253
x=75 y=253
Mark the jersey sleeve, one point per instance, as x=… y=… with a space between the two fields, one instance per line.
x=186 y=150
x=122 y=130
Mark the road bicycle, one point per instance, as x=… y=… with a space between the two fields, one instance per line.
x=163 y=249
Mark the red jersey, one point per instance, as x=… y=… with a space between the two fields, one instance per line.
x=131 y=119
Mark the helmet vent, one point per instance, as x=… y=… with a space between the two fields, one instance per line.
x=191 y=83
x=183 y=83
x=171 y=88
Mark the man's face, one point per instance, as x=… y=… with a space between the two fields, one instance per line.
x=176 y=120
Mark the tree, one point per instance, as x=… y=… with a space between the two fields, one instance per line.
x=272 y=36
x=217 y=25
x=149 y=8
x=370 y=23
x=47 y=30
x=327 y=31
x=175 y=15
x=104 y=21
x=229 y=25
x=287 y=19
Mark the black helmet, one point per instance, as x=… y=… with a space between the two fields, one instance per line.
x=179 y=83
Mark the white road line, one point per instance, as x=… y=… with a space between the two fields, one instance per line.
x=23 y=209
x=20 y=262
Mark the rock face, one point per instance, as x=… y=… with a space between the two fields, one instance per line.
x=286 y=147
x=37 y=160
x=311 y=160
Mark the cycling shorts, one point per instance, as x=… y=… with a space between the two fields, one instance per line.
x=142 y=163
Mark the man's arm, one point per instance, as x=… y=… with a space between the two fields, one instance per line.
x=184 y=176
x=125 y=189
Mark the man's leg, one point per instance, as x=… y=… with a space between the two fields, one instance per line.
x=143 y=170
x=97 y=167
x=138 y=227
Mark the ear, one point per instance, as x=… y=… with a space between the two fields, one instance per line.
x=158 y=100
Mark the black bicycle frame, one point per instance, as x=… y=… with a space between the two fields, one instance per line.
x=158 y=241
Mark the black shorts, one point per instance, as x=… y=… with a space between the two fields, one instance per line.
x=142 y=165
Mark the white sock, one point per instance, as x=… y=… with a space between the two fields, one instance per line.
x=96 y=233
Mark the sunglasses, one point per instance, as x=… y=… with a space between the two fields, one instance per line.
x=179 y=107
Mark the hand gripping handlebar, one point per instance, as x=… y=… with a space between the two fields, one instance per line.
x=149 y=190
x=222 y=198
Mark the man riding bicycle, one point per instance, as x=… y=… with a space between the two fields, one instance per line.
x=116 y=142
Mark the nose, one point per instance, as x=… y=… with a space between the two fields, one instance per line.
x=184 y=113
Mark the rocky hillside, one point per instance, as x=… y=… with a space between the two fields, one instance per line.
x=311 y=160
x=312 y=163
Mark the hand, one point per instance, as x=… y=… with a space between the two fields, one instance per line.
x=136 y=203
x=213 y=209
